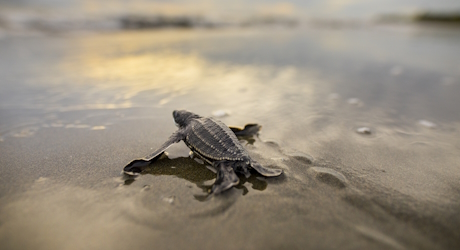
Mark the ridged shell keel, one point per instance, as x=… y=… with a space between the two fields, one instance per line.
x=214 y=140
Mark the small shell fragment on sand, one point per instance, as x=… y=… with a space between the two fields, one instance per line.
x=364 y=130
x=355 y=101
x=220 y=113
x=169 y=199
x=427 y=124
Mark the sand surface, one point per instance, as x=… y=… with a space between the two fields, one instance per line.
x=363 y=121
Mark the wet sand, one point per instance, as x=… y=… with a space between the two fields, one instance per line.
x=76 y=108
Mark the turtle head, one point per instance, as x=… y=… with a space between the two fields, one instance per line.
x=183 y=117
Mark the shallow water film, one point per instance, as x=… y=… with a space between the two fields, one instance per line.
x=363 y=120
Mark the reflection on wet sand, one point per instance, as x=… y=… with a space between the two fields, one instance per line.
x=197 y=173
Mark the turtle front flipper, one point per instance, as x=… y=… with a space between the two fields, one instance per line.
x=226 y=177
x=136 y=166
x=268 y=172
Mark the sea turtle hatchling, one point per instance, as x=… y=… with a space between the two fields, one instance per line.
x=212 y=141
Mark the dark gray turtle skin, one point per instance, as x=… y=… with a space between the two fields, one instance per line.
x=215 y=143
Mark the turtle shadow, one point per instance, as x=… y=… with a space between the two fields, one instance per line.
x=197 y=173
x=258 y=183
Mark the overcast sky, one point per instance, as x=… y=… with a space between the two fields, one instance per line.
x=299 y=8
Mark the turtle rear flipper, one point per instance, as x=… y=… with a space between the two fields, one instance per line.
x=135 y=167
x=268 y=172
x=248 y=130
x=226 y=177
